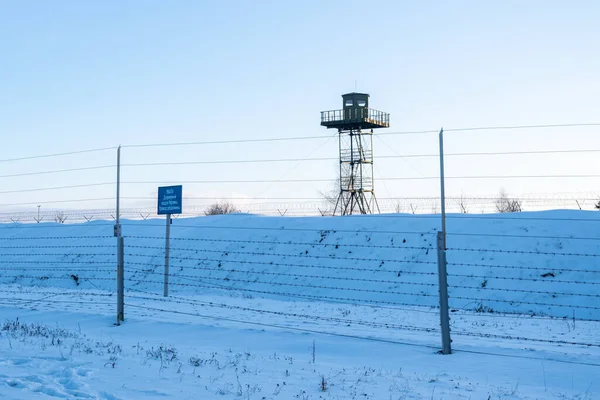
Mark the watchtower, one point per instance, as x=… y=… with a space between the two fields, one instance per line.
x=355 y=123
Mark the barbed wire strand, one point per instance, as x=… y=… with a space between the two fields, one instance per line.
x=295 y=285
x=350 y=302
x=283 y=229
x=412 y=344
x=513 y=290
x=268 y=264
x=522 y=267
x=519 y=302
x=552 y=280
x=504 y=235
x=36 y=238
x=286 y=243
x=303 y=255
x=373 y=324
x=523 y=338
x=290 y=295
x=544 y=359
x=281 y=326
x=233 y=271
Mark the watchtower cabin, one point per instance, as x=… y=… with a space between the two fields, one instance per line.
x=355 y=123
x=355 y=114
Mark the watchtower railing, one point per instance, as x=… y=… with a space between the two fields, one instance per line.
x=356 y=115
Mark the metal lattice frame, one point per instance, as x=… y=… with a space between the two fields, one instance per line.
x=357 y=193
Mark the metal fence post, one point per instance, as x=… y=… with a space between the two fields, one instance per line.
x=118 y=207
x=120 y=246
x=443 y=286
x=442 y=187
x=120 y=280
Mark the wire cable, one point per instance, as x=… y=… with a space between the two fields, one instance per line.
x=58 y=154
x=57 y=171
x=87 y=185
x=412 y=344
x=297 y=138
x=540 y=126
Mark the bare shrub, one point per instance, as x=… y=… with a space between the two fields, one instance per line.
x=505 y=204
x=330 y=198
x=221 y=208
x=435 y=208
x=323 y=386
x=462 y=204
x=399 y=207
x=60 y=217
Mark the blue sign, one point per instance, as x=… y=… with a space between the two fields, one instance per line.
x=169 y=200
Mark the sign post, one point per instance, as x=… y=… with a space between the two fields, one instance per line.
x=167 y=247
x=169 y=202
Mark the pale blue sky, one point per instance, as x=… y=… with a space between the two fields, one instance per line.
x=83 y=74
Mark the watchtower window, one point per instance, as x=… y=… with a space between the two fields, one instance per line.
x=362 y=103
x=349 y=103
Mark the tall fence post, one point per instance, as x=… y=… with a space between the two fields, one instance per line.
x=120 y=247
x=120 y=280
x=118 y=206
x=167 y=247
x=443 y=286
x=117 y=227
x=442 y=186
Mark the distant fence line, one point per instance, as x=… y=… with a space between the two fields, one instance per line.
x=422 y=205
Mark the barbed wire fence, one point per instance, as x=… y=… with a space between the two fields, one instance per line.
x=48 y=258
x=508 y=265
x=372 y=278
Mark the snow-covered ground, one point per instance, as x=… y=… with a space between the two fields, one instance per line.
x=282 y=308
